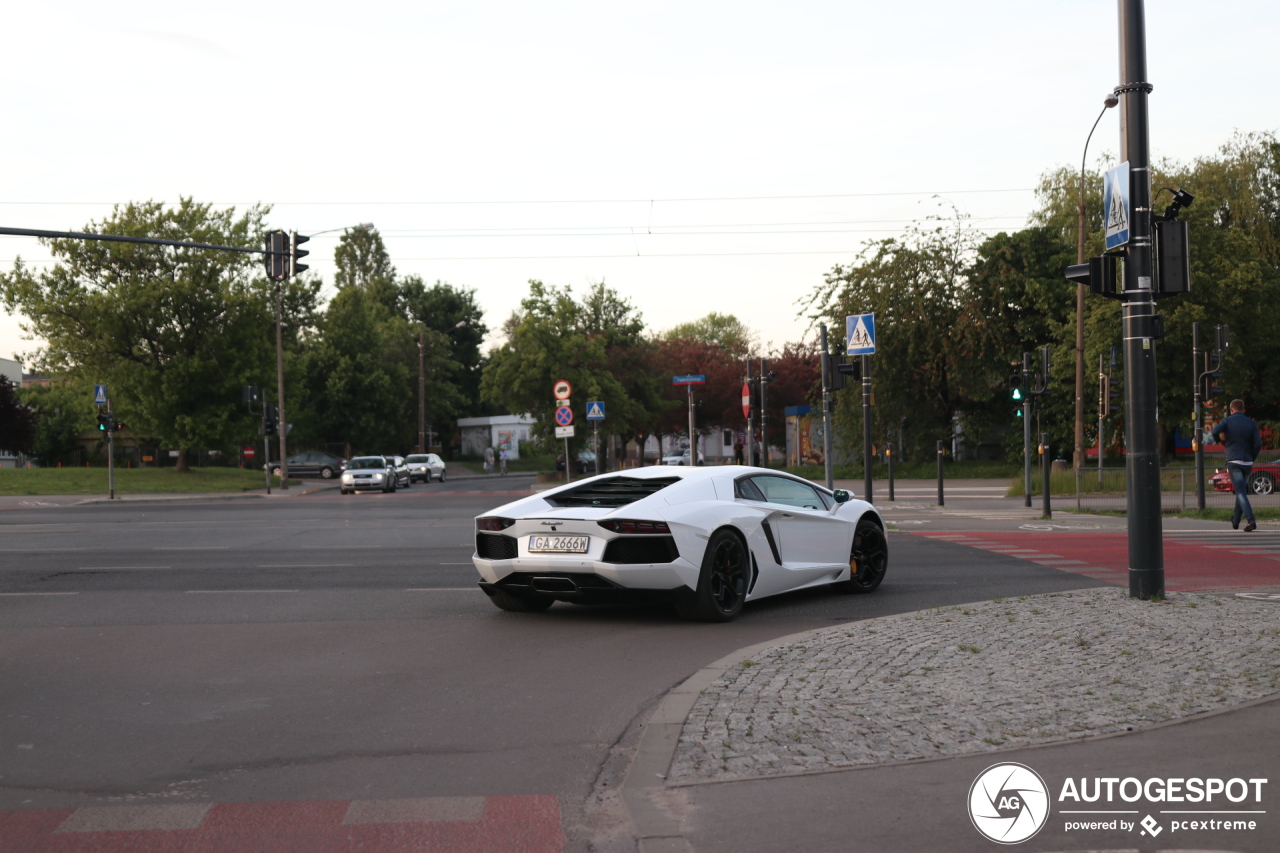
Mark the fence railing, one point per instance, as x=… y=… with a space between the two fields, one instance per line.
x=1107 y=488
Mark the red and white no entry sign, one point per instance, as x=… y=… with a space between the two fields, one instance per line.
x=562 y=389
x=746 y=401
x=248 y=452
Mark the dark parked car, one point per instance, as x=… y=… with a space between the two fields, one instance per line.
x=586 y=462
x=313 y=463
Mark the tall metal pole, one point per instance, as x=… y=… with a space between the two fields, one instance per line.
x=1197 y=443
x=764 y=409
x=282 y=423
x=1104 y=398
x=1026 y=429
x=866 y=429
x=826 y=413
x=1078 y=456
x=1046 y=470
x=693 y=433
x=111 y=453
x=1146 y=547
x=422 y=390
x=751 y=417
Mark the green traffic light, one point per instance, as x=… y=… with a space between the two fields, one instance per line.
x=1017 y=393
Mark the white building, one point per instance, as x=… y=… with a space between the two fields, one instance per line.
x=13 y=370
x=501 y=432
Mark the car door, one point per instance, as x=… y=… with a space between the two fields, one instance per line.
x=811 y=541
x=303 y=463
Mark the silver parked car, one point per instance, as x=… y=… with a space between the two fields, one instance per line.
x=367 y=473
x=426 y=467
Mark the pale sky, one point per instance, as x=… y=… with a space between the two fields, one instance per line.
x=661 y=147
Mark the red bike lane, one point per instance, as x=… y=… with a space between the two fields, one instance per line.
x=1191 y=564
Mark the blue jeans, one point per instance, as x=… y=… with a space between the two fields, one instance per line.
x=1240 y=482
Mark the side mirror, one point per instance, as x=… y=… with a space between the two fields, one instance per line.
x=841 y=495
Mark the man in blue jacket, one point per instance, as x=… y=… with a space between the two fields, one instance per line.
x=1243 y=440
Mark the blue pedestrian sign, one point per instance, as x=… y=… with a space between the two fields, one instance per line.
x=860 y=334
x=690 y=379
x=564 y=416
x=1115 y=201
x=595 y=411
x=100 y=395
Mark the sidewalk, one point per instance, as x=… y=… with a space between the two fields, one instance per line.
x=772 y=729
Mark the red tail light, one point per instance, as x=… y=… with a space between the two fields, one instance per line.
x=492 y=522
x=635 y=526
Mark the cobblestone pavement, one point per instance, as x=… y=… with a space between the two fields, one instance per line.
x=957 y=680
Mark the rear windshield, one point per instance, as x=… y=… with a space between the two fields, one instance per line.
x=611 y=491
x=417 y=458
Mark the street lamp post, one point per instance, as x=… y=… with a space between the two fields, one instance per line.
x=1078 y=455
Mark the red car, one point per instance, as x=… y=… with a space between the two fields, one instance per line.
x=1262 y=480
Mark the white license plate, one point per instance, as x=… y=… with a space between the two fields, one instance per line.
x=558 y=544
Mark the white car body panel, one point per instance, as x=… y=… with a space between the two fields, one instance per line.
x=814 y=545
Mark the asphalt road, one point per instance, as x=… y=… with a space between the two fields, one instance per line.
x=328 y=647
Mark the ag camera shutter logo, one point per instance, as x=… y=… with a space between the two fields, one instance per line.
x=1008 y=803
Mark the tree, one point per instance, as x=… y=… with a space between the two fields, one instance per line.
x=452 y=312
x=596 y=343
x=174 y=332
x=64 y=409
x=17 y=421
x=723 y=330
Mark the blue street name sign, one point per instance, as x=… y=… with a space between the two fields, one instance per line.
x=1115 y=201
x=860 y=334
x=691 y=379
x=100 y=395
x=595 y=411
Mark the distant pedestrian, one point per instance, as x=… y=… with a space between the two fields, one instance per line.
x=502 y=457
x=1243 y=440
x=488 y=460
x=738 y=457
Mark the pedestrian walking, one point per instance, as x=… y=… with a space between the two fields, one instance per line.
x=488 y=460
x=1243 y=441
x=738 y=458
x=502 y=457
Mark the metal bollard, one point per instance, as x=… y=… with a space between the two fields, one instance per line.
x=1045 y=468
x=941 y=453
x=888 y=452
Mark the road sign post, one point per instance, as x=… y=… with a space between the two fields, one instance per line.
x=860 y=340
x=826 y=412
x=689 y=380
x=595 y=414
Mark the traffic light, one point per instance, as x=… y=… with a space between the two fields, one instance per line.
x=835 y=377
x=1015 y=388
x=117 y=426
x=104 y=422
x=269 y=418
x=296 y=254
x=1099 y=274
x=277 y=258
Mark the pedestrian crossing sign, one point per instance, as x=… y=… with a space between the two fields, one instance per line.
x=1115 y=202
x=860 y=334
x=595 y=411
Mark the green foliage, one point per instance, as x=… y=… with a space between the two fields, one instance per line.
x=64 y=409
x=173 y=332
x=17 y=421
x=442 y=307
x=131 y=481
x=595 y=342
x=722 y=330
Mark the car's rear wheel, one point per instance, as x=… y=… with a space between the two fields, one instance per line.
x=326 y=473
x=722 y=583
x=868 y=559
x=518 y=603
x=1262 y=483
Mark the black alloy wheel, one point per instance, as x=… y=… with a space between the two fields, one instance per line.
x=868 y=559
x=722 y=583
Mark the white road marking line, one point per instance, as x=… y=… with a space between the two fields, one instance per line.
x=304 y=565
x=195 y=548
x=455 y=564
x=1057 y=562
x=218 y=591
x=134 y=818
x=442 y=589
x=39 y=593
x=117 y=568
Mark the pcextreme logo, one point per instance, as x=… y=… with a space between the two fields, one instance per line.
x=1008 y=803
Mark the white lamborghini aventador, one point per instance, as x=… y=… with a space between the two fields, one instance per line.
x=708 y=539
